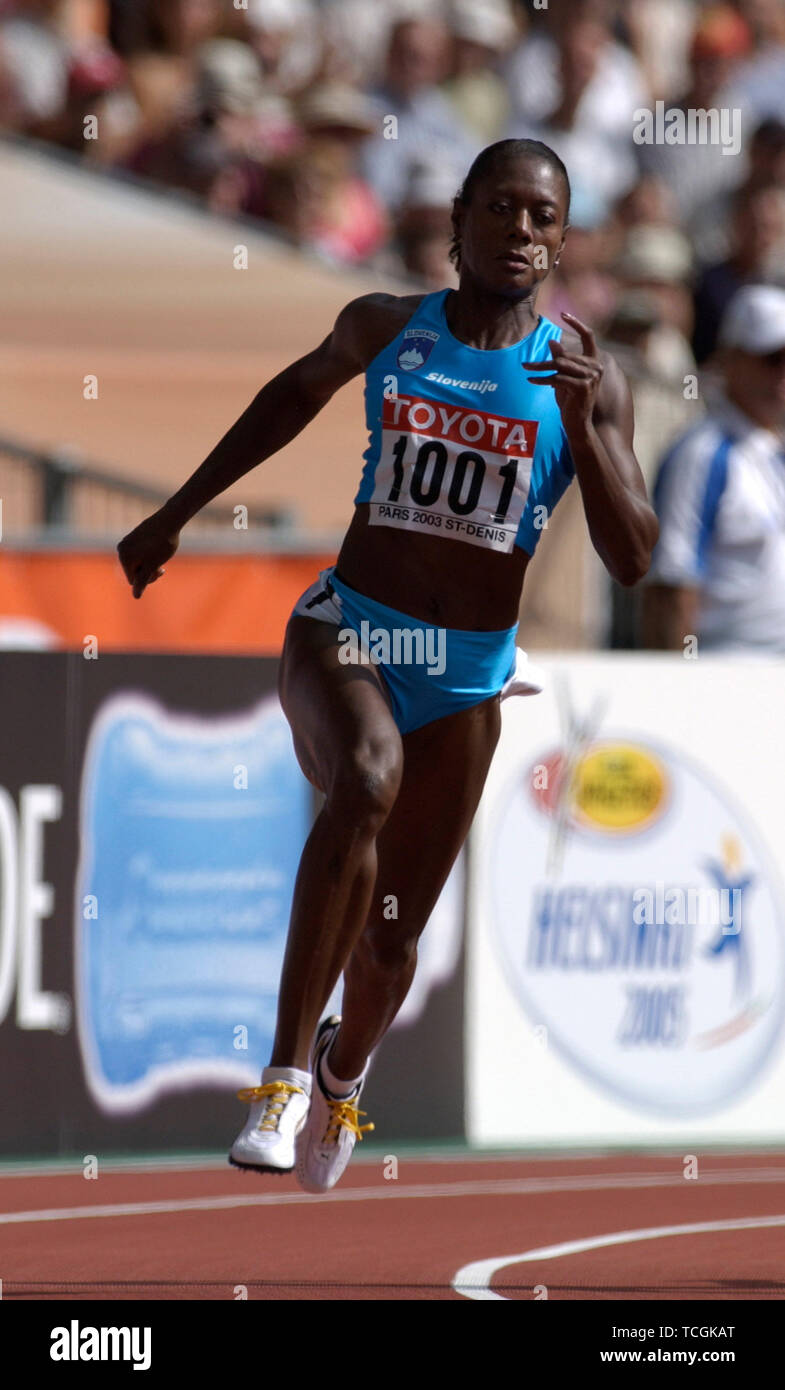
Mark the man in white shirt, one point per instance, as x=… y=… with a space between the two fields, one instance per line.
x=718 y=570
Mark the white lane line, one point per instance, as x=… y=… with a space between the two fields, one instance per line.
x=474 y=1280
x=502 y=1187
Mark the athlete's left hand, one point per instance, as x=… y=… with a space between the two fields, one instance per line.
x=575 y=377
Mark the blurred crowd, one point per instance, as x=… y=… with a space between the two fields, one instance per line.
x=350 y=124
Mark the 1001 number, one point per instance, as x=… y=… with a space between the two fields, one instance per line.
x=425 y=494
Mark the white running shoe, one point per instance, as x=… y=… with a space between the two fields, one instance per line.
x=326 y=1142
x=279 y=1109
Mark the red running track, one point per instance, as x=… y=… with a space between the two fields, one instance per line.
x=603 y=1228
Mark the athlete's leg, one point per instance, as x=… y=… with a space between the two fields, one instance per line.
x=349 y=747
x=445 y=767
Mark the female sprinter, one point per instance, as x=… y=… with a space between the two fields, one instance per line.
x=479 y=412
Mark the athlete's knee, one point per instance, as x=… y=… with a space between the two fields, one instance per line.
x=365 y=785
x=388 y=951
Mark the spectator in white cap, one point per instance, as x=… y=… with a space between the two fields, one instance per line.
x=423 y=228
x=482 y=30
x=339 y=119
x=285 y=37
x=658 y=261
x=718 y=571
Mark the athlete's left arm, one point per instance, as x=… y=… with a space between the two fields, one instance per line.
x=595 y=401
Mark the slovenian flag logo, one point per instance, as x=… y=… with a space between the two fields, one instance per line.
x=415 y=348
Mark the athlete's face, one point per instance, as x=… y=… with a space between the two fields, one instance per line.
x=512 y=231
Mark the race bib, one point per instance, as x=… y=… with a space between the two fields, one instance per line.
x=452 y=472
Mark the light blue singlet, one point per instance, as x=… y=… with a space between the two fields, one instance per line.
x=461 y=444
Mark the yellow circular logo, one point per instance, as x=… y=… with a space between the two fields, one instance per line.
x=618 y=787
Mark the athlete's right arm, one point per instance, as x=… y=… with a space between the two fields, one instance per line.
x=275 y=416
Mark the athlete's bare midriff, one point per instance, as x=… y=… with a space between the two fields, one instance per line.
x=439 y=580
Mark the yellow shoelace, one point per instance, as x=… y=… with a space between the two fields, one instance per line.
x=343 y=1113
x=277 y=1094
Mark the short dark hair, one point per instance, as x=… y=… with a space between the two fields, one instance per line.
x=488 y=160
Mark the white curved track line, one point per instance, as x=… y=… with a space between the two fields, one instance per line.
x=473 y=1280
x=386 y=1191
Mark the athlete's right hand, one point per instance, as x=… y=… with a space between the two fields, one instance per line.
x=145 y=550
